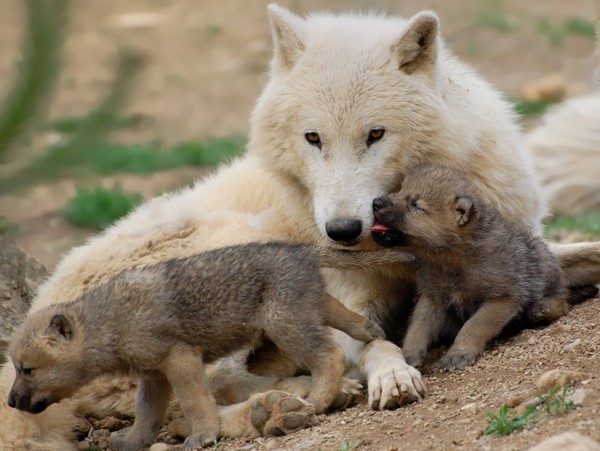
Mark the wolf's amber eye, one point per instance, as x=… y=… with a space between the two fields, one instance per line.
x=313 y=138
x=375 y=135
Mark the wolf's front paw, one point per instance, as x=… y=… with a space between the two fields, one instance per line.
x=277 y=413
x=394 y=385
x=129 y=439
x=457 y=360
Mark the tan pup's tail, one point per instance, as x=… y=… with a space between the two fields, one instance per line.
x=342 y=259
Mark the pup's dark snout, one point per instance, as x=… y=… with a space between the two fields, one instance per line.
x=344 y=229
x=380 y=203
x=21 y=402
x=12 y=402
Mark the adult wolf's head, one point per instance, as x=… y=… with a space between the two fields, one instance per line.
x=46 y=354
x=353 y=101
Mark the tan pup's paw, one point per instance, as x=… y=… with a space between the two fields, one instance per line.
x=394 y=385
x=349 y=393
x=277 y=413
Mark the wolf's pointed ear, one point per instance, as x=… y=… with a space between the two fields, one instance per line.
x=61 y=326
x=465 y=208
x=288 y=30
x=416 y=49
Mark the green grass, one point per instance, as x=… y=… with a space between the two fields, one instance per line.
x=557 y=32
x=529 y=107
x=507 y=422
x=103 y=158
x=98 y=208
x=7 y=227
x=347 y=445
x=554 y=403
x=579 y=26
x=587 y=223
x=496 y=20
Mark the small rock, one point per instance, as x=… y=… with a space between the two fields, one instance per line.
x=470 y=408
x=577 y=397
x=81 y=428
x=572 y=346
x=160 y=447
x=531 y=341
x=556 y=379
x=551 y=88
x=136 y=20
x=567 y=441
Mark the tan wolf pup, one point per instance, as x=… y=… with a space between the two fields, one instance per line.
x=165 y=321
x=477 y=273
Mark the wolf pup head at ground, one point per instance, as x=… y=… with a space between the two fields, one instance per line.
x=348 y=119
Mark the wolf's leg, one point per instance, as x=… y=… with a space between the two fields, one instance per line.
x=580 y=262
x=337 y=315
x=391 y=381
x=487 y=322
x=184 y=369
x=425 y=326
x=153 y=395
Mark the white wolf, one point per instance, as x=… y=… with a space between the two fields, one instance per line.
x=352 y=103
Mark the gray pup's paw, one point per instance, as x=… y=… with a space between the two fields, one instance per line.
x=414 y=357
x=457 y=360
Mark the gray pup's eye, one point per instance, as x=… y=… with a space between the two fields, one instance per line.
x=27 y=371
x=313 y=139
x=375 y=135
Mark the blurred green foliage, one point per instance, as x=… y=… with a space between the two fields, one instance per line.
x=97 y=207
x=587 y=223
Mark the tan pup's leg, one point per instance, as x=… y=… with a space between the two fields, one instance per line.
x=485 y=324
x=184 y=369
x=355 y=325
x=327 y=371
x=152 y=400
x=548 y=309
x=425 y=326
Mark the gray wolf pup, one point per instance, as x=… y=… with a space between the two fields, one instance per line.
x=165 y=321
x=476 y=273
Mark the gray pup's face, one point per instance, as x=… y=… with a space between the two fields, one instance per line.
x=47 y=368
x=426 y=213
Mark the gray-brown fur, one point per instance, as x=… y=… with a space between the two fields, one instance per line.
x=476 y=272
x=165 y=321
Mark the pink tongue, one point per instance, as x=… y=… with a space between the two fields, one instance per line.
x=380 y=228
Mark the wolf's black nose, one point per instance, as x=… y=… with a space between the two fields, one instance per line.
x=380 y=202
x=344 y=230
x=11 y=401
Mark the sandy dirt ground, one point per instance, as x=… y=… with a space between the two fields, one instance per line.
x=207 y=62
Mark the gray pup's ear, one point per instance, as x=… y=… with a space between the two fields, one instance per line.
x=417 y=47
x=464 y=209
x=288 y=31
x=61 y=326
